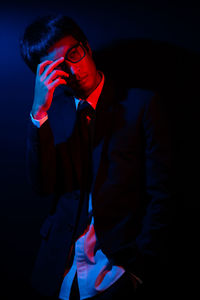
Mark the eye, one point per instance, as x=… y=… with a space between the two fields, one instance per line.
x=73 y=54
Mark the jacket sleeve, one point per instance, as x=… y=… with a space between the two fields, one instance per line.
x=153 y=242
x=148 y=253
x=154 y=239
x=41 y=159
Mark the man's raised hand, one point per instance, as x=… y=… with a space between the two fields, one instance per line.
x=47 y=79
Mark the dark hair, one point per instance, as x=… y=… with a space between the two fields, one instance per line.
x=43 y=33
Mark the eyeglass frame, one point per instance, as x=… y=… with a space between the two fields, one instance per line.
x=76 y=45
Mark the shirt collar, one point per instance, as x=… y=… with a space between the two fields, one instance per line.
x=92 y=99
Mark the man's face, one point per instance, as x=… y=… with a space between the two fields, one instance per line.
x=84 y=76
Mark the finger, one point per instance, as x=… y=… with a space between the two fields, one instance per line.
x=53 y=66
x=56 y=82
x=56 y=73
x=41 y=66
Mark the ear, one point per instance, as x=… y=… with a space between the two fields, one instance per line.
x=88 y=48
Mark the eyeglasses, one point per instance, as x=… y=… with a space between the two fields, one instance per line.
x=75 y=54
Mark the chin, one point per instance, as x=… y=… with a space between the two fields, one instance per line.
x=84 y=88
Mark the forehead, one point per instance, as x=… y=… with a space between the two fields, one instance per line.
x=60 y=48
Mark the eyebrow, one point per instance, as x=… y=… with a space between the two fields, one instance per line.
x=72 y=47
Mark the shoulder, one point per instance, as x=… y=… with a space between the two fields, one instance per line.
x=140 y=96
x=136 y=102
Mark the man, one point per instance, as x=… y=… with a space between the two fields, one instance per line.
x=107 y=173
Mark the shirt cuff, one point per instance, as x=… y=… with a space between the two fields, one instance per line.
x=38 y=123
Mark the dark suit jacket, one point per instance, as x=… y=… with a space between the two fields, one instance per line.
x=130 y=190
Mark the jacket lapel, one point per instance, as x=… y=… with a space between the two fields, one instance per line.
x=103 y=130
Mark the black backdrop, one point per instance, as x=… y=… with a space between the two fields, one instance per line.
x=163 y=41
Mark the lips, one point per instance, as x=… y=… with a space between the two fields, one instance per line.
x=77 y=80
x=80 y=78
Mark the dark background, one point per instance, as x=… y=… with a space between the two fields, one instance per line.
x=161 y=40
